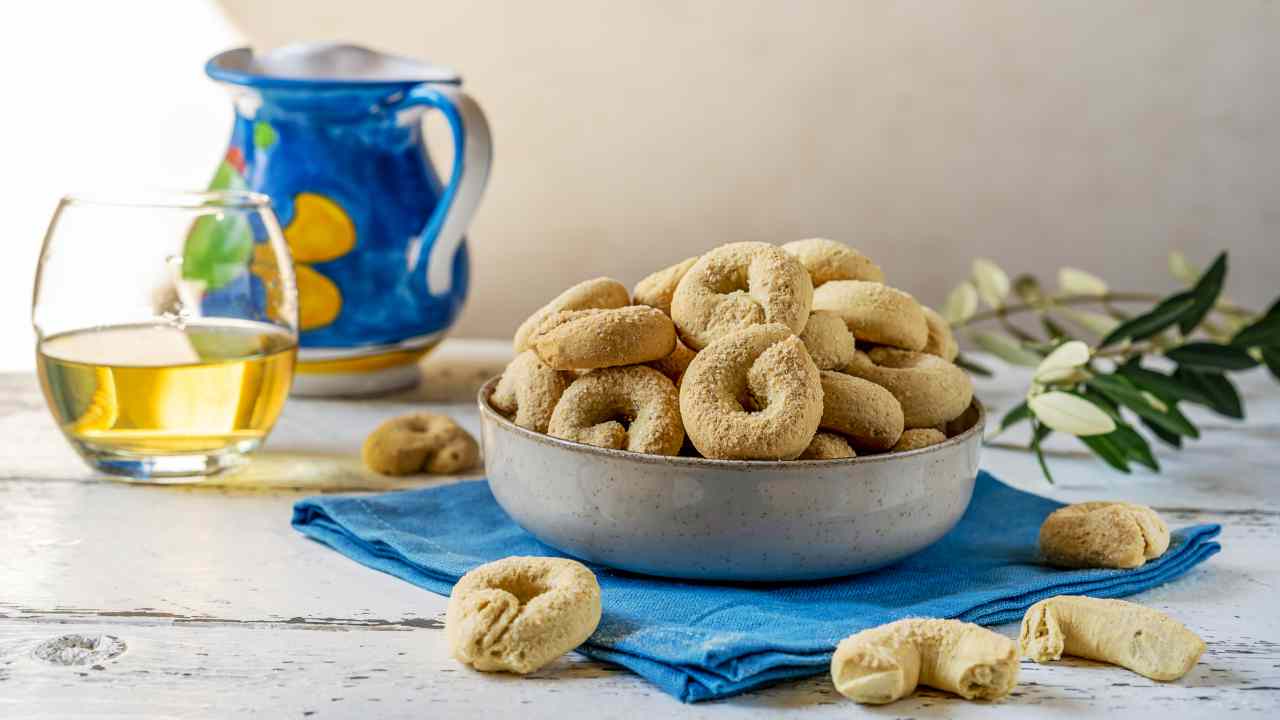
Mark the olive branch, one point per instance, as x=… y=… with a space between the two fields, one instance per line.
x=1128 y=369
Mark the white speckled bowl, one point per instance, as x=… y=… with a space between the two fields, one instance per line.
x=729 y=519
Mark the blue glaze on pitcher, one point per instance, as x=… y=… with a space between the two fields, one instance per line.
x=333 y=135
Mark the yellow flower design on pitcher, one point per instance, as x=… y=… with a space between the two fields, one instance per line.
x=320 y=231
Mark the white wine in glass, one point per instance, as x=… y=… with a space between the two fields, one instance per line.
x=153 y=371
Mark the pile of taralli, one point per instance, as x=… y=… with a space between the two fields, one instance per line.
x=751 y=352
x=520 y=613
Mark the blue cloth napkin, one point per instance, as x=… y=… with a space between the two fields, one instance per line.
x=699 y=641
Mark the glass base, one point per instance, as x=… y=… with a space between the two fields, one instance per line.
x=165 y=469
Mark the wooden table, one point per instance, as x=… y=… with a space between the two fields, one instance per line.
x=223 y=610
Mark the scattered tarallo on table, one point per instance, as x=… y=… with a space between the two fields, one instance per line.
x=118 y=600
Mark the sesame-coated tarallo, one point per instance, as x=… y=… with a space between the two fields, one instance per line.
x=828 y=340
x=529 y=390
x=601 y=292
x=828 y=260
x=590 y=339
x=752 y=395
x=827 y=446
x=739 y=285
x=627 y=408
x=941 y=341
x=862 y=411
x=656 y=290
x=917 y=438
x=931 y=390
x=875 y=312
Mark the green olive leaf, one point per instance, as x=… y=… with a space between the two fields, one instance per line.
x=961 y=304
x=1096 y=323
x=1074 y=281
x=1263 y=331
x=1220 y=395
x=1206 y=292
x=1135 y=446
x=1122 y=392
x=1053 y=329
x=966 y=363
x=1173 y=440
x=1105 y=448
x=1271 y=356
x=1006 y=348
x=1020 y=412
x=1166 y=387
x=1211 y=356
x=1162 y=316
x=992 y=282
x=1181 y=269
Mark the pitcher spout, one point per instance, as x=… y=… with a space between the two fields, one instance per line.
x=319 y=65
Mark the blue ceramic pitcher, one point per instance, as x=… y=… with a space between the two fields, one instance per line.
x=333 y=134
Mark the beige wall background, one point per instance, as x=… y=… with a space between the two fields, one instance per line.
x=630 y=135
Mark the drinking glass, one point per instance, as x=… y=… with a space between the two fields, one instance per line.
x=167 y=330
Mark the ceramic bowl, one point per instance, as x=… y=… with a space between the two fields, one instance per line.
x=729 y=519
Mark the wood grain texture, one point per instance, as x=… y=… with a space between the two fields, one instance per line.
x=225 y=611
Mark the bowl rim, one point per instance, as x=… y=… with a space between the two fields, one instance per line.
x=488 y=411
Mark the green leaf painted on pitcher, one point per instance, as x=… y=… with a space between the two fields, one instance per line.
x=226 y=177
x=219 y=247
x=264 y=136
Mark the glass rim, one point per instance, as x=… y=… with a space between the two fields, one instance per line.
x=177 y=200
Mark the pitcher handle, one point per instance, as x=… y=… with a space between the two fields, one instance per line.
x=472 y=156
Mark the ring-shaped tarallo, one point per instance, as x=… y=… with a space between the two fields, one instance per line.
x=739 y=285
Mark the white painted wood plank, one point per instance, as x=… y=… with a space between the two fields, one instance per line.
x=235 y=669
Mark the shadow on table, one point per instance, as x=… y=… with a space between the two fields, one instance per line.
x=444 y=380
x=275 y=471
